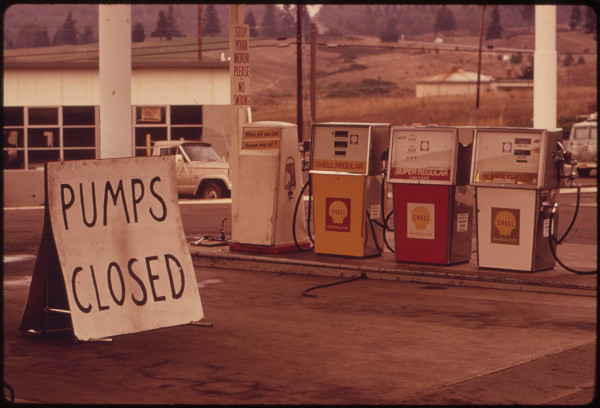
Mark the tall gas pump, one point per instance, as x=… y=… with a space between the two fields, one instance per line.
x=516 y=179
x=429 y=168
x=346 y=168
x=270 y=180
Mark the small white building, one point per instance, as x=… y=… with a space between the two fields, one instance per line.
x=455 y=82
x=51 y=112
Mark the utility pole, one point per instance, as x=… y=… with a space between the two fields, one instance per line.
x=299 y=70
x=313 y=72
x=199 y=32
x=479 y=64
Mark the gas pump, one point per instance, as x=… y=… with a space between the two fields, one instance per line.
x=270 y=179
x=429 y=169
x=516 y=179
x=346 y=169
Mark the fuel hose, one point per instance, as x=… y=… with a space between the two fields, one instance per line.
x=300 y=198
x=551 y=239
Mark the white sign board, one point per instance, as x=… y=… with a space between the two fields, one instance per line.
x=239 y=49
x=121 y=245
x=422 y=155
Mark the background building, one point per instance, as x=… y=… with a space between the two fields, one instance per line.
x=51 y=112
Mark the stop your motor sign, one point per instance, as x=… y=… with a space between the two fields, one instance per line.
x=121 y=245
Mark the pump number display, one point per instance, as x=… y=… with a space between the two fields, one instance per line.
x=341 y=149
x=507 y=157
x=422 y=155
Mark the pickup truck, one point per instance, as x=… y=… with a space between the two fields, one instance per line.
x=583 y=144
x=200 y=172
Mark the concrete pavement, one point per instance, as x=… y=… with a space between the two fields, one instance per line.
x=407 y=334
x=558 y=280
x=369 y=341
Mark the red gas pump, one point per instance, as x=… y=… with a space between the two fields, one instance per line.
x=429 y=168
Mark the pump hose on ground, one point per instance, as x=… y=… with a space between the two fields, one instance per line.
x=300 y=198
x=305 y=291
x=551 y=237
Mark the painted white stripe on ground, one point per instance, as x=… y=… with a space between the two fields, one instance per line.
x=17 y=258
x=25 y=281
x=208 y=282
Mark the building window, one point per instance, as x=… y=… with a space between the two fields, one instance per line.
x=177 y=122
x=35 y=135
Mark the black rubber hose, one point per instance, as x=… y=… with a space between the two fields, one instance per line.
x=556 y=257
x=300 y=198
x=309 y=209
x=385 y=218
x=373 y=232
x=573 y=219
x=305 y=292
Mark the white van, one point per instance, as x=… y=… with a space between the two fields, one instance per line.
x=583 y=144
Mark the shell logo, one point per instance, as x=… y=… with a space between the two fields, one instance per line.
x=421 y=217
x=338 y=211
x=505 y=222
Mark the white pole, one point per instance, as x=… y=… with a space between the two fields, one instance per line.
x=544 y=68
x=114 y=32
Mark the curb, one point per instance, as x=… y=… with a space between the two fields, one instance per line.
x=213 y=259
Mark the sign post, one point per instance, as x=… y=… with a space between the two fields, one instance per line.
x=239 y=74
x=100 y=261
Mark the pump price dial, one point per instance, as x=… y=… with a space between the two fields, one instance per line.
x=507 y=158
x=419 y=155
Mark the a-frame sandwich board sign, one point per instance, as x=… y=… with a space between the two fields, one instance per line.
x=113 y=258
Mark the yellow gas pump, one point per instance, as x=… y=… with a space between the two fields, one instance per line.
x=270 y=179
x=346 y=174
x=516 y=180
x=429 y=169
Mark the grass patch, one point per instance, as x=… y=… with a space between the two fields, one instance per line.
x=367 y=86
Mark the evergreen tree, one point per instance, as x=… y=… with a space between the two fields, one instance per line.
x=87 y=36
x=288 y=23
x=391 y=33
x=67 y=34
x=137 y=33
x=172 y=29
x=161 y=26
x=590 y=21
x=495 y=29
x=305 y=22
x=444 y=20
x=210 y=21
x=528 y=15
x=251 y=21
x=575 y=20
x=269 y=25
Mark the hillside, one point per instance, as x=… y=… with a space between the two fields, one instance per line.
x=359 y=78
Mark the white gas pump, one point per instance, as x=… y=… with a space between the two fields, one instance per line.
x=429 y=169
x=516 y=179
x=269 y=183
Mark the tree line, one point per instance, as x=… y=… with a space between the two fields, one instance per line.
x=388 y=22
x=276 y=23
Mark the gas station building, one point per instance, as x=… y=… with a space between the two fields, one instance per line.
x=51 y=112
